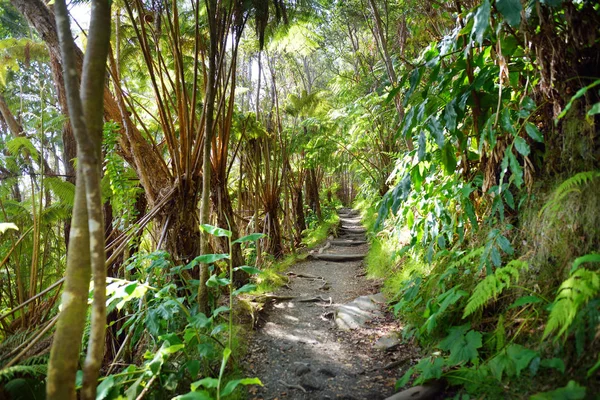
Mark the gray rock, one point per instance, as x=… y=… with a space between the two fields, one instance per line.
x=312 y=382
x=301 y=369
x=387 y=342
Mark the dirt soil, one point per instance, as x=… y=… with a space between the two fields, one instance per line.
x=298 y=352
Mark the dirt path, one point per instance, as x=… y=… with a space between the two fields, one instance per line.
x=298 y=352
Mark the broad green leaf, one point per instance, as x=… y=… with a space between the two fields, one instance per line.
x=515 y=167
x=209 y=258
x=4 y=226
x=215 y=281
x=200 y=321
x=104 y=387
x=220 y=310
x=522 y=301
x=193 y=367
x=250 y=238
x=506 y=122
x=245 y=289
x=209 y=383
x=573 y=391
x=482 y=22
x=201 y=395
x=400 y=383
x=581 y=92
x=555 y=363
x=422 y=146
x=522 y=146
x=462 y=345
x=521 y=356
x=449 y=158
x=594 y=110
x=213 y=230
x=248 y=269
x=510 y=10
x=593 y=257
x=430 y=369
x=231 y=385
x=534 y=132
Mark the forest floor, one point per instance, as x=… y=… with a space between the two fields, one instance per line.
x=300 y=352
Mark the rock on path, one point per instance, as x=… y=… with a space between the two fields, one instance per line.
x=299 y=352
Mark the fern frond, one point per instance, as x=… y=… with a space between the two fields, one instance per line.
x=10 y=373
x=65 y=191
x=467 y=258
x=573 y=293
x=15 y=145
x=570 y=185
x=492 y=285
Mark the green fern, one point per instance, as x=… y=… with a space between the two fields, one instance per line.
x=493 y=285
x=568 y=186
x=64 y=190
x=573 y=293
x=14 y=147
x=467 y=258
x=10 y=373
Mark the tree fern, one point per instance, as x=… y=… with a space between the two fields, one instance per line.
x=573 y=293
x=493 y=285
x=568 y=186
x=65 y=191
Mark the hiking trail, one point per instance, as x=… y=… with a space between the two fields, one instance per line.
x=329 y=335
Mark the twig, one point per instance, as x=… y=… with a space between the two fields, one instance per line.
x=292 y=386
x=147 y=388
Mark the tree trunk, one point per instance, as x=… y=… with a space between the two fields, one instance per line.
x=300 y=221
x=312 y=193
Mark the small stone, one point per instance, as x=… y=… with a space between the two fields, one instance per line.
x=388 y=342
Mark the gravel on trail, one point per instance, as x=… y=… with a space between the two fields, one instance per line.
x=299 y=352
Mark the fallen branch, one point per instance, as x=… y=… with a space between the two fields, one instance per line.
x=315 y=300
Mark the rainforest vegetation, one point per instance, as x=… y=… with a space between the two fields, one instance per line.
x=178 y=154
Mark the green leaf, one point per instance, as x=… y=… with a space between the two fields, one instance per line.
x=522 y=146
x=593 y=257
x=249 y=287
x=209 y=383
x=570 y=392
x=555 y=363
x=231 y=385
x=482 y=22
x=207 y=259
x=104 y=387
x=581 y=92
x=248 y=269
x=193 y=367
x=220 y=310
x=449 y=158
x=506 y=122
x=462 y=345
x=250 y=238
x=4 y=226
x=534 y=132
x=522 y=301
x=202 y=395
x=213 y=230
x=200 y=321
x=510 y=10
x=594 y=110
x=215 y=281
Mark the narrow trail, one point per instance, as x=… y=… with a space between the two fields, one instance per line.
x=301 y=349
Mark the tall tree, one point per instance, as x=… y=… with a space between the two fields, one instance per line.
x=86 y=248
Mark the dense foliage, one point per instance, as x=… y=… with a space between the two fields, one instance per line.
x=466 y=131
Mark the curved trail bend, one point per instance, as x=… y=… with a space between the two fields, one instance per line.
x=299 y=352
